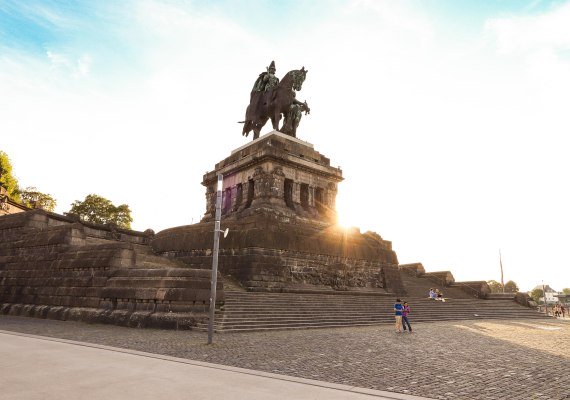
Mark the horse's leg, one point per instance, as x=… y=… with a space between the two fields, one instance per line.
x=246 y=128
x=286 y=128
x=275 y=118
x=257 y=127
x=295 y=122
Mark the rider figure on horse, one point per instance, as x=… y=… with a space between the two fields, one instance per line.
x=267 y=80
x=274 y=99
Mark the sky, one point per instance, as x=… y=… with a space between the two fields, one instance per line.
x=448 y=118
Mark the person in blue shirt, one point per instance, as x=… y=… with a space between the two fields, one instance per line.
x=398 y=307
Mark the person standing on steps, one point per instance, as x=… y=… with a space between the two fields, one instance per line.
x=405 y=312
x=398 y=307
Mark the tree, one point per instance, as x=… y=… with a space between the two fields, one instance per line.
x=99 y=210
x=536 y=295
x=495 y=286
x=566 y=290
x=7 y=180
x=511 y=287
x=33 y=198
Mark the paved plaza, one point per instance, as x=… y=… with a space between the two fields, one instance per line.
x=485 y=359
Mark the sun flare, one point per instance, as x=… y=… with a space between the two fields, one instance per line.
x=345 y=212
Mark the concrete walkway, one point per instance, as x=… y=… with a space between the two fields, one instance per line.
x=37 y=367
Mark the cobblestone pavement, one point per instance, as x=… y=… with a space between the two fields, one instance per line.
x=523 y=359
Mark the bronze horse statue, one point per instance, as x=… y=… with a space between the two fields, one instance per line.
x=275 y=102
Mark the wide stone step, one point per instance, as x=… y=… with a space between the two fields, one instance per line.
x=228 y=328
x=378 y=319
x=317 y=314
x=236 y=307
x=317 y=301
x=146 y=260
x=249 y=295
x=367 y=312
x=357 y=315
x=325 y=301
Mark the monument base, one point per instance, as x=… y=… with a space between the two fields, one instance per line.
x=278 y=203
x=266 y=253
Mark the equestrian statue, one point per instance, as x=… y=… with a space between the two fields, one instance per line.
x=271 y=99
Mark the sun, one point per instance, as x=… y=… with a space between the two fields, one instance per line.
x=344 y=211
x=350 y=211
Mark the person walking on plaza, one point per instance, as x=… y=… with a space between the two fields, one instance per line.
x=398 y=307
x=405 y=312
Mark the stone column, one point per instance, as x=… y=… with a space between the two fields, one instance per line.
x=311 y=197
x=210 y=203
x=296 y=194
x=331 y=195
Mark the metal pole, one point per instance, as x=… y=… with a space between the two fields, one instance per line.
x=501 y=263
x=544 y=296
x=215 y=261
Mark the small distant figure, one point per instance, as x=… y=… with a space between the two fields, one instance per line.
x=563 y=310
x=405 y=312
x=432 y=295
x=439 y=295
x=398 y=308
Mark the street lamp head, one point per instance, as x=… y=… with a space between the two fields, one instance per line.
x=226 y=231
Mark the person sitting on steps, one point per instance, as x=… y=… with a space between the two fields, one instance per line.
x=439 y=295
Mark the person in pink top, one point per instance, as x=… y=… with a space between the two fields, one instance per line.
x=405 y=312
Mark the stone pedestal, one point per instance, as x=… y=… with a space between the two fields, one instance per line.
x=279 y=203
x=276 y=172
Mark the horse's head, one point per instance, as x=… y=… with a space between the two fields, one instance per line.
x=294 y=79
x=299 y=76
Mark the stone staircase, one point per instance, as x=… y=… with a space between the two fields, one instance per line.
x=419 y=286
x=246 y=311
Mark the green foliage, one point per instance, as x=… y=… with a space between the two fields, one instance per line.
x=7 y=180
x=33 y=198
x=566 y=290
x=536 y=294
x=99 y=210
x=495 y=286
x=511 y=287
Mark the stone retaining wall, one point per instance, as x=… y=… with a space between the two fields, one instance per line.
x=264 y=252
x=53 y=266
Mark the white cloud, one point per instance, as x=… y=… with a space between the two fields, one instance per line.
x=550 y=30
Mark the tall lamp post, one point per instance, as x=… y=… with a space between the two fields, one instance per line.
x=544 y=296
x=215 y=260
x=501 y=264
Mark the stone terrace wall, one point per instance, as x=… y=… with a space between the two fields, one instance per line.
x=52 y=266
x=267 y=253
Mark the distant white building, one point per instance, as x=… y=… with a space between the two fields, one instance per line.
x=551 y=294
